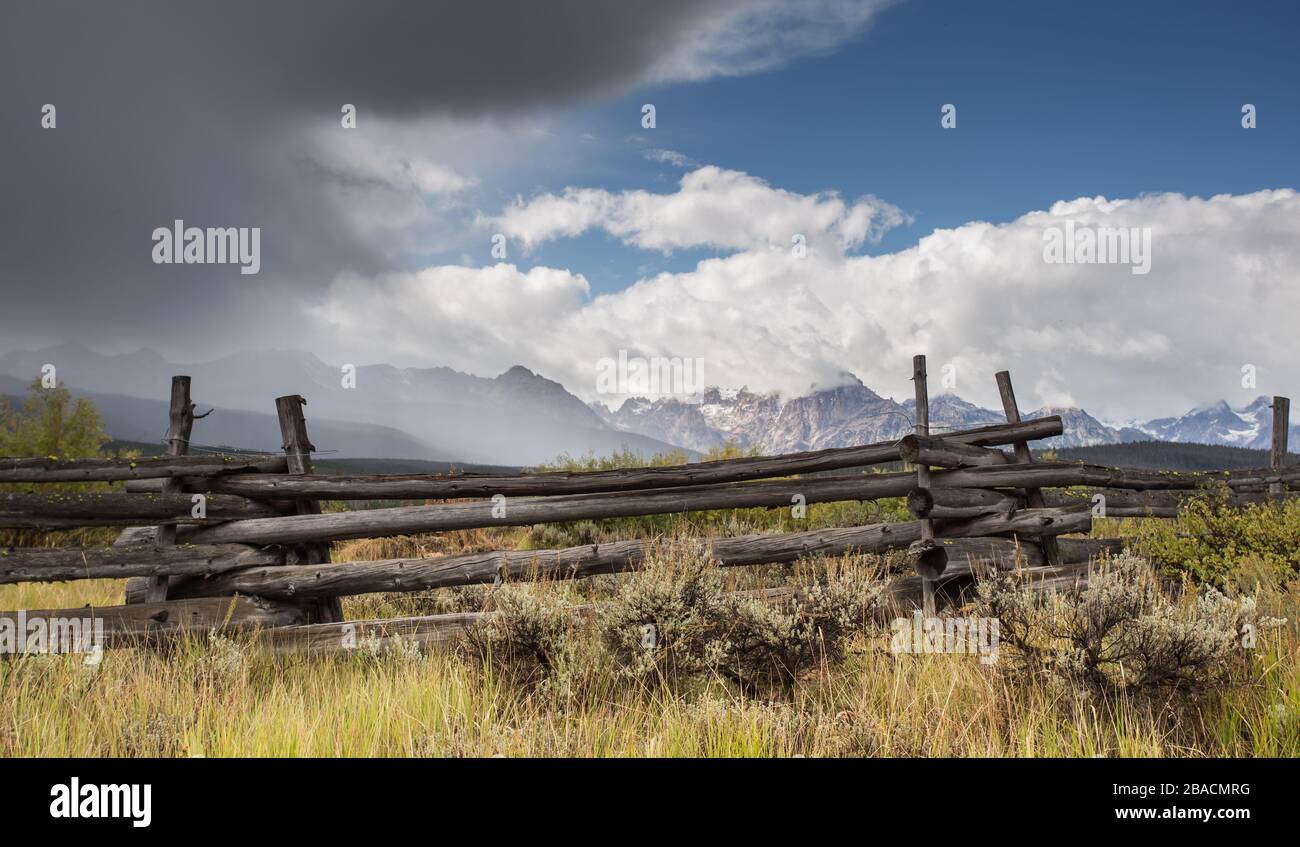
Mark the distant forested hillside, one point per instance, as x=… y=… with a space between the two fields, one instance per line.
x=1168 y=455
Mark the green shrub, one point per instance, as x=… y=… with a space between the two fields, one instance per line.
x=1211 y=540
x=663 y=625
x=1123 y=631
x=51 y=424
x=528 y=635
x=673 y=621
x=768 y=647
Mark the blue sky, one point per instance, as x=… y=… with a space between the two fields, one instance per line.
x=1113 y=114
x=1054 y=101
x=808 y=117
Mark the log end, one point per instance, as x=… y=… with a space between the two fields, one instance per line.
x=920 y=502
x=909 y=448
x=929 y=558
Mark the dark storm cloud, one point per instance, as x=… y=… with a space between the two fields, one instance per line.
x=175 y=110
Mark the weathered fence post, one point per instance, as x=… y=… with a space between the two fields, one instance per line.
x=1277 y=456
x=922 y=394
x=1033 y=496
x=298 y=449
x=178 y=444
x=217 y=580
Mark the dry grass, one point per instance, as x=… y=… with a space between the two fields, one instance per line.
x=227 y=698
x=221 y=699
x=562 y=688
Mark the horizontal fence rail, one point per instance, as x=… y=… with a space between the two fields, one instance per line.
x=528 y=511
x=59 y=565
x=430 y=487
x=235 y=518
x=342 y=578
x=132 y=625
x=43 y=470
x=50 y=511
x=239 y=543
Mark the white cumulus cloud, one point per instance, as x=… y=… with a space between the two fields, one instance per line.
x=1222 y=292
x=712 y=207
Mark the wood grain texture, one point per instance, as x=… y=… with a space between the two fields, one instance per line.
x=776 y=493
x=1033 y=495
x=40 y=470
x=1155 y=504
x=927 y=558
x=178 y=444
x=942 y=453
x=1277 y=452
x=398 y=575
x=527 y=511
x=132 y=560
x=130 y=625
x=297 y=450
x=962 y=503
x=42 y=510
x=431 y=487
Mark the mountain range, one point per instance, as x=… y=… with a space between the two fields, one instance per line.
x=522 y=418
x=516 y=418
x=854 y=414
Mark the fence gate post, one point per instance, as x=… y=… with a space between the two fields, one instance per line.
x=297 y=449
x=1033 y=496
x=922 y=394
x=178 y=444
x=1277 y=456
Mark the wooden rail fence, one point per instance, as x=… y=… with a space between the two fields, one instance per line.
x=217 y=542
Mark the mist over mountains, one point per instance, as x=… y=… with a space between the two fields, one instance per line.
x=516 y=418
x=854 y=414
x=523 y=418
